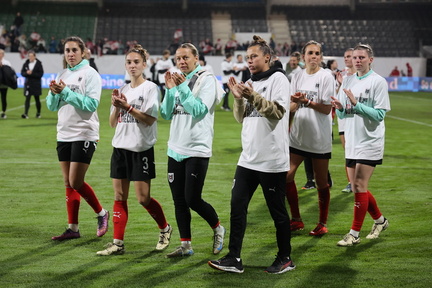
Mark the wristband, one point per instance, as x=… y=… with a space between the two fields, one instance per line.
x=308 y=103
x=129 y=109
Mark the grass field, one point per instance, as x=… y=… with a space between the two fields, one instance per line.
x=33 y=210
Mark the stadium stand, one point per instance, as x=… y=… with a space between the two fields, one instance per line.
x=393 y=29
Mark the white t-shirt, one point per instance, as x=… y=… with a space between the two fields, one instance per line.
x=311 y=130
x=163 y=65
x=364 y=137
x=75 y=124
x=239 y=66
x=130 y=134
x=265 y=142
x=226 y=66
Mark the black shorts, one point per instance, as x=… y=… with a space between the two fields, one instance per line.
x=310 y=154
x=342 y=133
x=134 y=166
x=353 y=162
x=78 y=151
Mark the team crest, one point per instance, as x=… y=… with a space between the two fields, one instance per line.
x=317 y=85
x=79 y=79
x=170 y=177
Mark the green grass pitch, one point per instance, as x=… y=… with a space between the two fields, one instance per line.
x=33 y=210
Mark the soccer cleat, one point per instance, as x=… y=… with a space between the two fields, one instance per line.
x=38 y=116
x=310 y=184
x=218 y=241
x=377 y=228
x=68 y=234
x=296 y=225
x=3 y=115
x=281 y=265
x=112 y=249
x=347 y=189
x=102 y=227
x=227 y=264
x=180 y=252
x=319 y=230
x=349 y=240
x=24 y=116
x=164 y=239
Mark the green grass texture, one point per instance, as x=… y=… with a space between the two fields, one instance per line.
x=33 y=209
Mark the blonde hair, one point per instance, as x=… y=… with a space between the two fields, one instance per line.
x=140 y=50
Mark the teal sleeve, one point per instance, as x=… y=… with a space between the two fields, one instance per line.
x=340 y=113
x=193 y=105
x=53 y=101
x=371 y=113
x=79 y=101
x=168 y=103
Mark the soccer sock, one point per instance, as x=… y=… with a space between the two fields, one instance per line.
x=354 y=233
x=118 y=242
x=360 y=209
x=73 y=200
x=186 y=244
x=323 y=203
x=218 y=228
x=292 y=197
x=155 y=211
x=120 y=218
x=373 y=209
x=87 y=192
x=73 y=227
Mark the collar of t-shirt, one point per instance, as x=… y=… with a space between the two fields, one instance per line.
x=81 y=64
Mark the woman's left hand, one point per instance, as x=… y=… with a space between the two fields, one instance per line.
x=178 y=78
x=350 y=96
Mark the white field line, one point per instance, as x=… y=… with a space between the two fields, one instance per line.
x=408 y=120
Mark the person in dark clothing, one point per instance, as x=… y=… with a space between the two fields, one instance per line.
x=18 y=22
x=32 y=71
x=90 y=59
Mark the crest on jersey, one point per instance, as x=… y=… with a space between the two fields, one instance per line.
x=170 y=177
x=79 y=79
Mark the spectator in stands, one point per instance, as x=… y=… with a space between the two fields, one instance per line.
x=348 y=71
x=3 y=88
x=310 y=132
x=409 y=70
x=286 y=49
x=17 y=23
x=52 y=47
x=231 y=46
x=41 y=45
x=90 y=45
x=190 y=102
x=218 y=47
x=162 y=66
x=395 y=72
x=228 y=71
x=88 y=56
x=365 y=133
x=174 y=46
x=208 y=47
x=32 y=71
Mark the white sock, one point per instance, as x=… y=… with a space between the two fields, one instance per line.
x=118 y=242
x=355 y=233
x=73 y=227
x=218 y=229
x=165 y=229
x=186 y=244
x=102 y=212
x=380 y=220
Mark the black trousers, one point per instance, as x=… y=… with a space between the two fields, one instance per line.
x=3 y=92
x=273 y=185
x=186 y=180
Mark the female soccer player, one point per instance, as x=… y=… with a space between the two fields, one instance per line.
x=310 y=133
x=75 y=94
x=189 y=103
x=261 y=105
x=363 y=101
x=133 y=114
